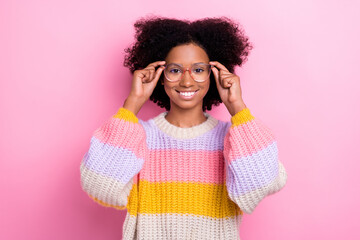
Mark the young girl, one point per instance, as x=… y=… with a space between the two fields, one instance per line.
x=183 y=174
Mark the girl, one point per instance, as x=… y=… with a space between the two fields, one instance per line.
x=183 y=174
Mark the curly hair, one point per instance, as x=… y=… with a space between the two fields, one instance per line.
x=221 y=38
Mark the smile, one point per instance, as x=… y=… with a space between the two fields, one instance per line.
x=187 y=94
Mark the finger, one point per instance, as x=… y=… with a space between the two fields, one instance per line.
x=216 y=76
x=227 y=82
x=157 y=75
x=146 y=77
x=151 y=68
x=225 y=74
x=232 y=79
x=224 y=81
x=218 y=65
x=215 y=72
x=142 y=75
x=157 y=63
x=152 y=73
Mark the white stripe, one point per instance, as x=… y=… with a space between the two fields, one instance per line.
x=184 y=133
x=180 y=227
x=250 y=200
x=104 y=188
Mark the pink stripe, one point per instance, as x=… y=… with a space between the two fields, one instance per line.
x=247 y=139
x=120 y=133
x=184 y=165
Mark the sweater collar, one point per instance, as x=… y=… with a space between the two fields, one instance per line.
x=184 y=133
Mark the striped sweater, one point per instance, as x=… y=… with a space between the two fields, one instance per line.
x=182 y=183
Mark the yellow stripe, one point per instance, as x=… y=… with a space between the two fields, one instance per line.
x=241 y=117
x=106 y=204
x=127 y=115
x=182 y=198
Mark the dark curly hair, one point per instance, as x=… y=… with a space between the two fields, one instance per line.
x=221 y=38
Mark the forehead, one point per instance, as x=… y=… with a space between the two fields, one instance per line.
x=186 y=55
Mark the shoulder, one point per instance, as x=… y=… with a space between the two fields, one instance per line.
x=220 y=123
x=150 y=125
x=221 y=127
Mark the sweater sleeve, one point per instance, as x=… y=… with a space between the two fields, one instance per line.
x=253 y=169
x=116 y=155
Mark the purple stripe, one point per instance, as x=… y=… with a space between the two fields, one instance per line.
x=115 y=162
x=252 y=172
x=211 y=140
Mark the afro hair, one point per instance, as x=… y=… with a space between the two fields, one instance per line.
x=222 y=39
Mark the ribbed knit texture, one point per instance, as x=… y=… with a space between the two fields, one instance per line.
x=182 y=183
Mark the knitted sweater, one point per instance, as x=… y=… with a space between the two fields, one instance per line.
x=182 y=183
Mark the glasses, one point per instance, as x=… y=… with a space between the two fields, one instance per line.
x=200 y=72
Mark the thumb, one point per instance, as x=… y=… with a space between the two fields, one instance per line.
x=216 y=75
x=157 y=75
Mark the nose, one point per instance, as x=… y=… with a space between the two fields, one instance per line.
x=186 y=79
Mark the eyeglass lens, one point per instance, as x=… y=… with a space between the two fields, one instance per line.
x=200 y=72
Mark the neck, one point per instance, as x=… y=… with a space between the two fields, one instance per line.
x=185 y=118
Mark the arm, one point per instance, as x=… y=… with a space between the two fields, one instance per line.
x=116 y=154
x=253 y=169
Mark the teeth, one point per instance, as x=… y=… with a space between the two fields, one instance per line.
x=187 y=93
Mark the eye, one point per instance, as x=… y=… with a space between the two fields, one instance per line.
x=174 y=70
x=198 y=70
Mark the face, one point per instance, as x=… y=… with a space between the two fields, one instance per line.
x=186 y=55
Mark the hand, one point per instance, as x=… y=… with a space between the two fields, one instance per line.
x=228 y=85
x=143 y=84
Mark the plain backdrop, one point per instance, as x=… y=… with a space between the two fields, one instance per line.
x=62 y=76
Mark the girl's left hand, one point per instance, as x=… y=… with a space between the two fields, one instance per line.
x=228 y=85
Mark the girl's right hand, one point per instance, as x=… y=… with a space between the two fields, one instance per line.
x=143 y=84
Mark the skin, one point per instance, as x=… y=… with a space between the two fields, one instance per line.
x=185 y=113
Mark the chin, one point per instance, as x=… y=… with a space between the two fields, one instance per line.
x=185 y=106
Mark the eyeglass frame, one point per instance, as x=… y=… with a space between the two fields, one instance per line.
x=187 y=69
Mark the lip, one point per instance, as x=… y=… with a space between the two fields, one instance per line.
x=187 y=91
x=187 y=97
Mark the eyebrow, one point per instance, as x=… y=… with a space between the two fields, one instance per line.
x=182 y=65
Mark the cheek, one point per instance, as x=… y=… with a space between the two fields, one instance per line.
x=168 y=90
x=206 y=88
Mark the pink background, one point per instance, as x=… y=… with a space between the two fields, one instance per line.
x=62 y=76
